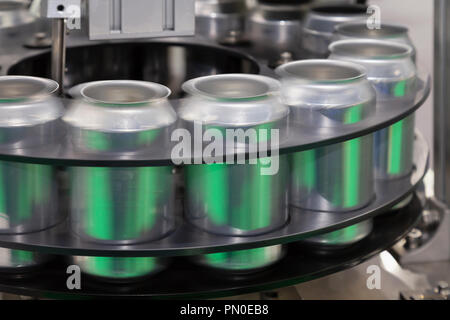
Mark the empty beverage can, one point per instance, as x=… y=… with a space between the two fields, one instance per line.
x=121 y=205
x=387 y=32
x=320 y=22
x=29 y=116
x=339 y=177
x=230 y=198
x=391 y=70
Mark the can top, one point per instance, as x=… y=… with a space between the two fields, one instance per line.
x=20 y=88
x=360 y=30
x=123 y=92
x=325 y=18
x=233 y=100
x=321 y=71
x=389 y=65
x=27 y=101
x=120 y=105
x=326 y=93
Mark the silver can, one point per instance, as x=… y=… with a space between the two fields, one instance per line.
x=29 y=116
x=339 y=177
x=19 y=260
x=221 y=20
x=343 y=237
x=387 y=32
x=118 y=268
x=275 y=30
x=320 y=22
x=392 y=72
x=249 y=260
x=228 y=198
x=125 y=205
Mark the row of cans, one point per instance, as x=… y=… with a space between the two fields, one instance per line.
x=282 y=30
x=125 y=205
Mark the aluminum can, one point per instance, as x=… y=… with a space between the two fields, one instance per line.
x=121 y=205
x=320 y=22
x=229 y=198
x=325 y=94
x=391 y=70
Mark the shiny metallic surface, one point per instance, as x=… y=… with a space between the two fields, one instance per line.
x=243 y=260
x=28 y=192
x=387 y=32
x=236 y=199
x=121 y=205
x=164 y=62
x=320 y=22
x=220 y=19
x=313 y=90
x=119 y=269
x=275 y=29
x=343 y=237
x=392 y=72
x=15 y=20
x=338 y=177
x=16 y=260
x=14 y=13
x=233 y=100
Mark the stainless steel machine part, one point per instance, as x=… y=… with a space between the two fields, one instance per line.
x=28 y=116
x=15 y=19
x=392 y=72
x=232 y=198
x=338 y=177
x=320 y=22
x=121 y=205
x=127 y=19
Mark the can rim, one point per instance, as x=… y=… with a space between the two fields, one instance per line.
x=150 y=92
x=393 y=30
x=204 y=87
x=42 y=88
x=397 y=50
x=286 y=70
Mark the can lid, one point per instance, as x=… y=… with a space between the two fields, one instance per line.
x=389 y=65
x=21 y=88
x=232 y=87
x=27 y=101
x=371 y=49
x=326 y=92
x=233 y=100
x=120 y=105
x=360 y=30
x=321 y=71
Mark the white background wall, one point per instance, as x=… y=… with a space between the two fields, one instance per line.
x=417 y=15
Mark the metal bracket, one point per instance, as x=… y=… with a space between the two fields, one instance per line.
x=125 y=19
x=61 y=9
